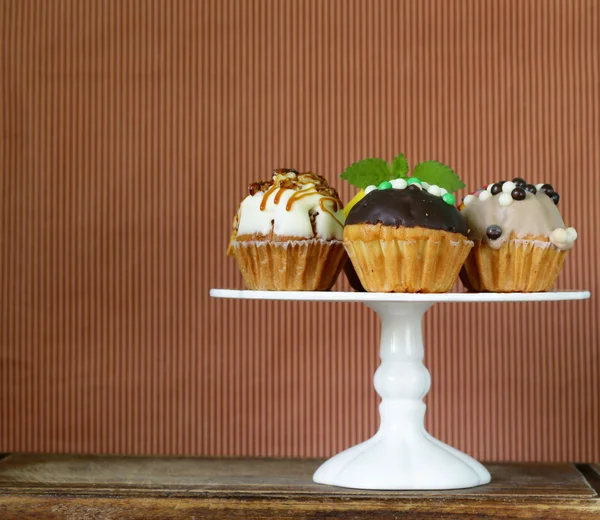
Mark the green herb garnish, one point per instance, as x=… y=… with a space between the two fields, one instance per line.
x=374 y=171
x=367 y=172
x=433 y=172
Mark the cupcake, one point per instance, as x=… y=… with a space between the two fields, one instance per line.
x=287 y=233
x=405 y=234
x=520 y=238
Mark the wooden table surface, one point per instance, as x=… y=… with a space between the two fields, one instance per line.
x=112 y=487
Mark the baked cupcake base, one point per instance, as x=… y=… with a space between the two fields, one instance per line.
x=401 y=259
x=294 y=265
x=529 y=264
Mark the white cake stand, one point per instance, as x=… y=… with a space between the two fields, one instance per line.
x=401 y=455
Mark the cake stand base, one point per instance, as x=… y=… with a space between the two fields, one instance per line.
x=402 y=455
x=402 y=460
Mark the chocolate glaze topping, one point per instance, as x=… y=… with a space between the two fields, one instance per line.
x=407 y=208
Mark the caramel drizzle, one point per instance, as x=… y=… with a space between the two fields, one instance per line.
x=335 y=208
x=263 y=204
x=300 y=195
x=278 y=195
x=297 y=196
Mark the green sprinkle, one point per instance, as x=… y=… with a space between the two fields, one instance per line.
x=385 y=185
x=412 y=180
x=448 y=198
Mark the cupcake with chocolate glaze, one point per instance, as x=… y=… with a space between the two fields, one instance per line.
x=521 y=240
x=287 y=233
x=405 y=234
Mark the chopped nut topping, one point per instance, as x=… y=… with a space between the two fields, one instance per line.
x=287 y=183
x=283 y=171
x=290 y=179
x=257 y=186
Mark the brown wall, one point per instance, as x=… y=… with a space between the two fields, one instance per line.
x=129 y=131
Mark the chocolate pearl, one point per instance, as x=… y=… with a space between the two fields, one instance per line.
x=531 y=188
x=493 y=232
x=519 y=182
x=496 y=188
x=555 y=197
x=547 y=189
x=518 y=194
x=413 y=187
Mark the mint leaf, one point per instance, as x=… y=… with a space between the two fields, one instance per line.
x=367 y=172
x=400 y=166
x=434 y=172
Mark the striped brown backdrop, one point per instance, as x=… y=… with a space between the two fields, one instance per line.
x=129 y=132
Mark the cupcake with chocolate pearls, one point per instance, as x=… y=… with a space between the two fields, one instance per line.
x=403 y=233
x=521 y=240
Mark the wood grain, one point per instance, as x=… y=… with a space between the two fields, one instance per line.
x=129 y=130
x=293 y=509
x=206 y=475
x=142 y=487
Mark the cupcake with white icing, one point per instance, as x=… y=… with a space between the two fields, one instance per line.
x=521 y=240
x=287 y=233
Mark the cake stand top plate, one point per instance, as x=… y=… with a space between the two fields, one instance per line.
x=349 y=296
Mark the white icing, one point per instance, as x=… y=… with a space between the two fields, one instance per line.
x=468 y=199
x=370 y=188
x=283 y=245
x=399 y=184
x=485 y=195
x=489 y=188
x=425 y=185
x=536 y=243
x=505 y=199
x=536 y=216
x=294 y=222
x=443 y=192
x=417 y=185
x=539 y=186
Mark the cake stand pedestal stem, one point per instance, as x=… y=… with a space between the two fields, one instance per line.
x=402 y=455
